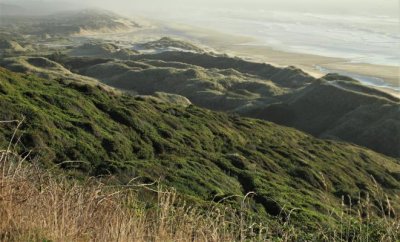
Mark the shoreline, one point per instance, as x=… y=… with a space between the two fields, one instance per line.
x=311 y=63
x=237 y=46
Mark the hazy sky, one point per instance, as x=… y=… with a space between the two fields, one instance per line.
x=373 y=7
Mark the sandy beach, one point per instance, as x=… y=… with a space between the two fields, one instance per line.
x=236 y=45
x=239 y=46
x=309 y=63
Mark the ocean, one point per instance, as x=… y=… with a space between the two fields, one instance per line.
x=373 y=39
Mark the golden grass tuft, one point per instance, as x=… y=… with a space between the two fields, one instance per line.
x=38 y=206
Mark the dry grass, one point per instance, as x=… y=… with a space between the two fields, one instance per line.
x=38 y=205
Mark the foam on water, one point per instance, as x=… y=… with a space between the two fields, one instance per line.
x=372 y=39
x=367 y=80
x=361 y=39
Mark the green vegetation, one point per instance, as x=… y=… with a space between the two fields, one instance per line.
x=48 y=69
x=66 y=24
x=10 y=47
x=333 y=107
x=331 y=111
x=38 y=205
x=168 y=44
x=105 y=50
x=32 y=35
x=207 y=156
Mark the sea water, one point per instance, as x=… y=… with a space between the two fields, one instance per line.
x=373 y=39
x=358 y=38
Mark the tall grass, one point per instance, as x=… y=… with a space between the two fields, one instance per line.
x=40 y=205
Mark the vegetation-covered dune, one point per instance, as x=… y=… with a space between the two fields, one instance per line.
x=329 y=110
x=67 y=23
x=105 y=50
x=168 y=44
x=48 y=69
x=207 y=156
x=10 y=46
x=334 y=107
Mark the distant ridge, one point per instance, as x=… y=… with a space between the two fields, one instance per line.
x=71 y=22
x=11 y=9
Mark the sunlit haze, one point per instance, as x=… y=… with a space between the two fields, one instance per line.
x=367 y=7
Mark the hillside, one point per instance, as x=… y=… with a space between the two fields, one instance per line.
x=207 y=156
x=168 y=44
x=11 y=46
x=67 y=23
x=105 y=50
x=338 y=113
x=48 y=69
x=10 y=9
x=333 y=107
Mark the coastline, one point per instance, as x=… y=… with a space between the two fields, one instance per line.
x=237 y=46
x=310 y=63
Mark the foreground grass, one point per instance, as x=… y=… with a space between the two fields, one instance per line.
x=38 y=205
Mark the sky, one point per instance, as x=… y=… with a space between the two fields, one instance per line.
x=377 y=6
x=146 y=7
